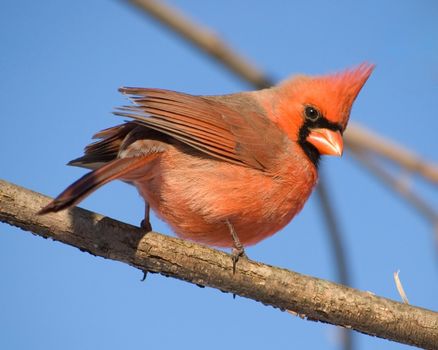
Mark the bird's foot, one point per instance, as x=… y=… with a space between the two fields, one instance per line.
x=236 y=254
x=145 y=274
x=237 y=251
x=146 y=225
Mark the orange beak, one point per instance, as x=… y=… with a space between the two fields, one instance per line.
x=326 y=141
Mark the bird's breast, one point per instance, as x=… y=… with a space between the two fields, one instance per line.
x=196 y=195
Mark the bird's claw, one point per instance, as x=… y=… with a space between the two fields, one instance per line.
x=145 y=274
x=236 y=254
x=146 y=225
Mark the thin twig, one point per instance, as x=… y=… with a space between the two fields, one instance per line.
x=338 y=249
x=336 y=236
x=316 y=299
x=361 y=138
x=399 y=186
x=400 y=288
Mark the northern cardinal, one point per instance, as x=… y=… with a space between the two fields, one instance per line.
x=225 y=170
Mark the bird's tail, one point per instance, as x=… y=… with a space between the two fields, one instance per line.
x=91 y=181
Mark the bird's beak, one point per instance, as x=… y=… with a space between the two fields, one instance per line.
x=326 y=141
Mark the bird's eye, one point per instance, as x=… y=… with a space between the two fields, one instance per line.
x=311 y=113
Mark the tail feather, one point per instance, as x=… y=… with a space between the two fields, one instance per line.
x=91 y=181
x=106 y=149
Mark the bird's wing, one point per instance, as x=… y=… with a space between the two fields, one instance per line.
x=215 y=127
x=114 y=143
x=106 y=148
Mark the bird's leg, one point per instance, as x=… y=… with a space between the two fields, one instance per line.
x=237 y=251
x=145 y=223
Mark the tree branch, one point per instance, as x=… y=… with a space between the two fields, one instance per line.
x=398 y=185
x=358 y=137
x=309 y=297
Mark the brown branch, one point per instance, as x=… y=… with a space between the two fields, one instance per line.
x=310 y=297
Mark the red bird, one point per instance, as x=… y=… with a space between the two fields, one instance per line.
x=225 y=170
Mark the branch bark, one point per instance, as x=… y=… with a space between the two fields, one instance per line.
x=309 y=297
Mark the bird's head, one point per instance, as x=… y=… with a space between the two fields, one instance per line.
x=314 y=111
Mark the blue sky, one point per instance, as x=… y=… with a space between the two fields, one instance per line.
x=61 y=63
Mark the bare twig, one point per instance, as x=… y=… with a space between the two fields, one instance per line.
x=338 y=249
x=400 y=288
x=359 y=137
x=334 y=231
x=396 y=184
x=316 y=299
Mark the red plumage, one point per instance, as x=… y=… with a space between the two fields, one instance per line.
x=207 y=164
